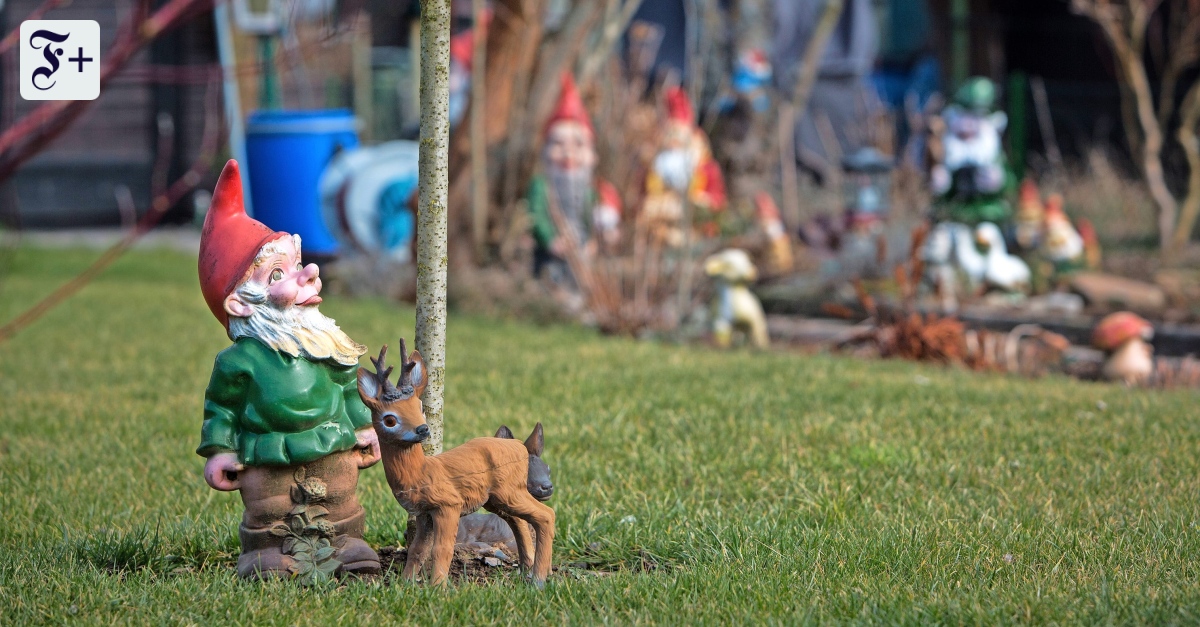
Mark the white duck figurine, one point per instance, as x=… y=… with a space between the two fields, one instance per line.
x=966 y=256
x=1003 y=271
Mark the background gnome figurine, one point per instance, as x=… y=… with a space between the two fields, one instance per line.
x=779 y=246
x=283 y=422
x=683 y=168
x=1031 y=213
x=590 y=205
x=1068 y=248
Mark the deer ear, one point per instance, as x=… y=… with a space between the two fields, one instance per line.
x=418 y=377
x=368 y=387
x=505 y=432
x=535 y=443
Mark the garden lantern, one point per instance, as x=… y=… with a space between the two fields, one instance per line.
x=867 y=187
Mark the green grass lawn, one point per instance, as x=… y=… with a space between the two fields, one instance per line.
x=721 y=487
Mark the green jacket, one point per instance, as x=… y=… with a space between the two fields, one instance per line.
x=538 y=203
x=278 y=410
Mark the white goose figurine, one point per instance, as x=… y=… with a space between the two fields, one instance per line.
x=1003 y=271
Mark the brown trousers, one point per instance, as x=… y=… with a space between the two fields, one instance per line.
x=269 y=493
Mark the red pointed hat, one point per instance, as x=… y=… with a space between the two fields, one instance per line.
x=1029 y=191
x=609 y=195
x=229 y=242
x=462 y=48
x=1054 y=208
x=679 y=106
x=570 y=106
x=767 y=209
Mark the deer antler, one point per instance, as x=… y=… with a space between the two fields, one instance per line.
x=389 y=391
x=406 y=368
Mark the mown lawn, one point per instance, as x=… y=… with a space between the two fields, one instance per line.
x=722 y=487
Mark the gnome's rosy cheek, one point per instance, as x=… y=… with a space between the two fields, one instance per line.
x=300 y=286
x=282 y=294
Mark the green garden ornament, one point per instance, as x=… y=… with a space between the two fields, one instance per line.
x=283 y=422
x=971 y=183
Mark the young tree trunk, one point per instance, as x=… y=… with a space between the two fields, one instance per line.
x=432 y=258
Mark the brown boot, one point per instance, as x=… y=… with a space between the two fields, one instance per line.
x=288 y=506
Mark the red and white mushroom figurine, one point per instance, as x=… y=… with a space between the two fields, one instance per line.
x=1125 y=337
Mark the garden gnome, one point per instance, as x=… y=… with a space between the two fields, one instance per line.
x=1125 y=339
x=590 y=205
x=684 y=168
x=1031 y=213
x=462 y=51
x=1063 y=245
x=779 y=246
x=283 y=422
x=973 y=177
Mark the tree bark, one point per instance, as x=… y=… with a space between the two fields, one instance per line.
x=512 y=43
x=433 y=168
x=1188 y=127
x=479 y=178
x=1152 y=146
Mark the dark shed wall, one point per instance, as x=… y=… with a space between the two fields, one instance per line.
x=72 y=182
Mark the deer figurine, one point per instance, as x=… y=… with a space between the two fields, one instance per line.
x=491 y=473
x=539 y=483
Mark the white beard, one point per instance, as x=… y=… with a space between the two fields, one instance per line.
x=675 y=167
x=571 y=190
x=297 y=331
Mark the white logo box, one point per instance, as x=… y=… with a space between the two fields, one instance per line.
x=60 y=60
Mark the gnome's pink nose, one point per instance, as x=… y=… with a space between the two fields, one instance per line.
x=309 y=274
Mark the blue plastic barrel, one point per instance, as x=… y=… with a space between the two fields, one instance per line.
x=287 y=152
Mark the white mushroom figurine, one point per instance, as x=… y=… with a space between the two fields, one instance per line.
x=1125 y=338
x=735 y=306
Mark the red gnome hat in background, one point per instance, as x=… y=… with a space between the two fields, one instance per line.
x=569 y=107
x=462 y=48
x=679 y=106
x=229 y=242
x=462 y=45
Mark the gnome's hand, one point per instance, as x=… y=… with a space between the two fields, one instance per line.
x=220 y=472
x=368 y=444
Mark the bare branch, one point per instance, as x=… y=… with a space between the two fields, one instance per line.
x=1187 y=136
x=1125 y=30
x=811 y=60
x=210 y=141
x=615 y=24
